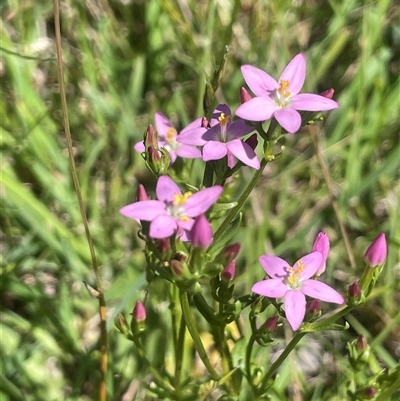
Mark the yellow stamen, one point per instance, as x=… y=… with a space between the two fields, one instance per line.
x=283 y=88
x=180 y=200
x=184 y=219
x=293 y=273
x=224 y=119
x=171 y=134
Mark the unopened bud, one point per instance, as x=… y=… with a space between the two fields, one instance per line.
x=271 y=323
x=321 y=244
x=201 y=234
x=328 y=93
x=369 y=392
x=354 y=292
x=205 y=123
x=362 y=343
x=141 y=194
x=376 y=252
x=181 y=257
x=229 y=271
x=228 y=254
x=150 y=137
x=244 y=95
x=121 y=324
x=139 y=312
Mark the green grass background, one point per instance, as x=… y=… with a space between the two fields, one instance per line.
x=125 y=60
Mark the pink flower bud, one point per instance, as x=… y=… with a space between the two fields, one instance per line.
x=362 y=343
x=229 y=253
x=150 y=137
x=321 y=244
x=201 y=234
x=153 y=154
x=244 y=95
x=141 y=194
x=252 y=141
x=314 y=307
x=163 y=245
x=376 y=253
x=328 y=93
x=354 y=290
x=229 y=271
x=271 y=323
x=369 y=392
x=139 y=312
x=205 y=123
x=177 y=267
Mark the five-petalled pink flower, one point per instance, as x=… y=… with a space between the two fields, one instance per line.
x=281 y=99
x=174 y=211
x=294 y=284
x=222 y=138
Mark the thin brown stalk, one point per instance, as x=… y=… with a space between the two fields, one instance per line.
x=100 y=294
x=329 y=185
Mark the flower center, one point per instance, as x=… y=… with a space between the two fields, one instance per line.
x=224 y=120
x=171 y=138
x=176 y=208
x=283 y=93
x=293 y=280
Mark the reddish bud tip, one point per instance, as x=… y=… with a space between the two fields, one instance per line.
x=153 y=154
x=354 y=290
x=163 y=245
x=205 y=123
x=229 y=271
x=369 y=392
x=139 y=312
x=244 y=95
x=201 y=234
x=328 y=93
x=376 y=252
x=362 y=343
x=271 y=323
x=177 y=267
x=231 y=251
x=150 y=137
x=314 y=307
x=141 y=194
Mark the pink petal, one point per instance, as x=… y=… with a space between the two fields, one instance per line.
x=272 y=288
x=201 y=201
x=321 y=291
x=289 y=119
x=163 y=124
x=260 y=83
x=194 y=124
x=188 y=152
x=257 y=109
x=295 y=308
x=139 y=147
x=312 y=102
x=274 y=266
x=163 y=226
x=214 y=150
x=231 y=159
x=144 y=210
x=244 y=153
x=192 y=136
x=308 y=265
x=295 y=73
x=239 y=128
x=221 y=108
x=212 y=133
x=186 y=224
x=166 y=189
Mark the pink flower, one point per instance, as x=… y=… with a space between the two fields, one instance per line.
x=139 y=312
x=222 y=138
x=293 y=284
x=168 y=138
x=173 y=212
x=321 y=244
x=281 y=99
x=376 y=252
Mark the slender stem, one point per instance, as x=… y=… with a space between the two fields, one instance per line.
x=179 y=354
x=191 y=325
x=249 y=349
x=157 y=377
x=319 y=325
x=100 y=296
x=234 y=211
x=288 y=349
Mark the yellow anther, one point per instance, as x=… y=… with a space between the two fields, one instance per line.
x=180 y=200
x=171 y=134
x=224 y=119
x=185 y=219
x=283 y=88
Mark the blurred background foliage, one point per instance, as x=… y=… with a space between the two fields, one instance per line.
x=126 y=59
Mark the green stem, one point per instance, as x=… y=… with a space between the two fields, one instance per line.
x=179 y=355
x=191 y=325
x=234 y=211
x=320 y=325
x=274 y=367
x=157 y=377
x=249 y=349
